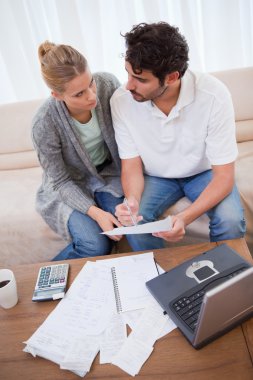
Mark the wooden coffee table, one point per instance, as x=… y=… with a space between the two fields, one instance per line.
x=229 y=357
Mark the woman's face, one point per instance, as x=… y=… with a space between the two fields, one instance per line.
x=80 y=93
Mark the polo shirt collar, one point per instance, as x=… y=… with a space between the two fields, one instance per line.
x=186 y=96
x=187 y=90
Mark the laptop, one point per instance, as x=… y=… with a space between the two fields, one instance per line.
x=208 y=295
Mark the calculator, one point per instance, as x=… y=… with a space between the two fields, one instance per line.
x=51 y=282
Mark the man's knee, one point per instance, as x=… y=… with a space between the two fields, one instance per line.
x=226 y=227
x=236 y=225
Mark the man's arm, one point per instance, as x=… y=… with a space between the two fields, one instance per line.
x=132 y=177
x=219 y=187
x=132 y=180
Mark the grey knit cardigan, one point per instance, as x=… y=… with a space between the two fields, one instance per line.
x=69 y=177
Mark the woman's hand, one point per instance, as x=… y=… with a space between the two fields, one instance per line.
x=105 y=220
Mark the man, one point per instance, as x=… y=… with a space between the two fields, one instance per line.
x=175 y=132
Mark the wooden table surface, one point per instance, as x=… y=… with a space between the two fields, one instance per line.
x=228 y=357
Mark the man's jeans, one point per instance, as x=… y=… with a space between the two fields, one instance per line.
x=86 y=238
x=226 y=219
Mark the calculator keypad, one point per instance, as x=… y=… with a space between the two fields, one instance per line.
x=52 y=276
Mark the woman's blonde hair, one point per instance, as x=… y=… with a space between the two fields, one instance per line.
x=60 y=64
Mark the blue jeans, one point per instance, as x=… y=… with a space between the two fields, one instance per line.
x=226 y=219
x=85 y=232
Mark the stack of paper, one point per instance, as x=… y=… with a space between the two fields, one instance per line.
x=86 y=321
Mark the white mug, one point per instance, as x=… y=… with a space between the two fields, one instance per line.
x=8 y=289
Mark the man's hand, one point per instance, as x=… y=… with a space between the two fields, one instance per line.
x=128 y=215
x=105 y=220
x=176 y=233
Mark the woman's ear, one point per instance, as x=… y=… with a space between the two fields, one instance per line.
x=56 y=95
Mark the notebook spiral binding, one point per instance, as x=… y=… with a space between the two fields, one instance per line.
x=116 y=290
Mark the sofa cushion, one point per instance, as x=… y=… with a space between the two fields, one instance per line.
x=244 y=180
x=244 y=130
x=16 y=149
x=25 y=237
x=18 y=160
x=240 y=84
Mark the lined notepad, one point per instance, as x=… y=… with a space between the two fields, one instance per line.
x=129 y=278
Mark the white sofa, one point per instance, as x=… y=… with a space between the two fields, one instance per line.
x=24 y=236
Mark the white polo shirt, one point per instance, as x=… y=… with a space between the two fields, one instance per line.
x=198 y=132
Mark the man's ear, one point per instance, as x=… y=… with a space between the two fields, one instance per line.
x=172 y=77
x=56 y=95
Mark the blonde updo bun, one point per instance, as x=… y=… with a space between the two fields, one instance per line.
x=60 y=64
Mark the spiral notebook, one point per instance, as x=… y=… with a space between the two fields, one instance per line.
x=129 y=281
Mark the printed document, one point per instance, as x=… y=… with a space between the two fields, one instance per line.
x=86 y=322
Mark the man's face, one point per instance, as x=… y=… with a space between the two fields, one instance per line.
x=144 y=86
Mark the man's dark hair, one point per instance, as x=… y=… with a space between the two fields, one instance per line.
x=157 y=47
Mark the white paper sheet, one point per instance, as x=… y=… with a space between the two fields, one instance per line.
x=159 y=226
x=74 y=318
x=132 y=356
x=81 y=354
x=136 y=257
x=130 y=278
x=152 y=324
x=112 y=339
x=86 y=319
x=131 y=317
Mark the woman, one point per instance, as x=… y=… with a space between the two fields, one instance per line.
x=74 y=139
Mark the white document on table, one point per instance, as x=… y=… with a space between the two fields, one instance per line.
x=159 y=226
x=151 y=325
x=78 y=317
x=85 y=320
x=129 y=282
x=112 y=339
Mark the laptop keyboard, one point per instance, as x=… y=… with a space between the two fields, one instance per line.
x=188 y=307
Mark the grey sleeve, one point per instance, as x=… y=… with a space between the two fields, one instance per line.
x=47 y=143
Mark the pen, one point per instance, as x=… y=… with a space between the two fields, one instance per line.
x=156 y=266
x=130 y=212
